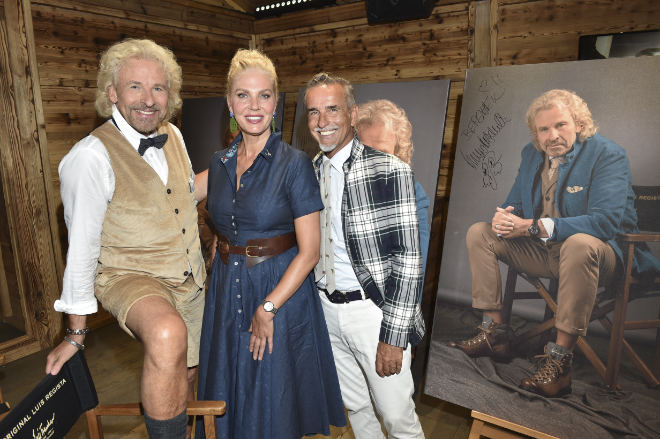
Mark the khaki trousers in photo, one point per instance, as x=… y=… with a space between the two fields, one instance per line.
x=581 y=263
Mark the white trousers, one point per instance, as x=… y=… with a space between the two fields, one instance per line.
x=354 y=328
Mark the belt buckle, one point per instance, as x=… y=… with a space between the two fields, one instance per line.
x=247 y=251
x=340 y=297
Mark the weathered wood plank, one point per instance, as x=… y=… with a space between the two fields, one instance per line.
x=553 y=17
x=174 y=14
x=26 y=176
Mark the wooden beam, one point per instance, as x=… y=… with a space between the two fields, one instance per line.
x=247 y=6
x=494 y=17
x=25 y=169
x=480 y=41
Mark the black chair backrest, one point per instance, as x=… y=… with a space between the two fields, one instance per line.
x=647 y=204
x=54 y=405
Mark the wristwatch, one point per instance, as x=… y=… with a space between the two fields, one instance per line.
x=269 y=306
x=534 y=228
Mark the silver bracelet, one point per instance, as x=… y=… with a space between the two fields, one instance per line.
x=82 y=331
x=79 y=346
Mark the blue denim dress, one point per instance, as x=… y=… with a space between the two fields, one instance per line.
x=294 y=391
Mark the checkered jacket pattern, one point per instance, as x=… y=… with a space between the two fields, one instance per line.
x=379 y=219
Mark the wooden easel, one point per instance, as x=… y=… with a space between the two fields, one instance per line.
x=486 y=426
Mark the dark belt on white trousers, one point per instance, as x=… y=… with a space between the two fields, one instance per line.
x=344 y=296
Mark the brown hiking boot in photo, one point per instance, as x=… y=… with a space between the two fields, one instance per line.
x=492 y=340
x=552 y=377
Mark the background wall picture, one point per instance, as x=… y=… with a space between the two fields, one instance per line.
x=624 y=98
x=425 y=103
x=203 y=125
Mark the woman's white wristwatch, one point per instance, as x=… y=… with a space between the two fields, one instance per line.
x=269 y=306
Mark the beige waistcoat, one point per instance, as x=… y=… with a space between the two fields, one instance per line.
x=150 y=228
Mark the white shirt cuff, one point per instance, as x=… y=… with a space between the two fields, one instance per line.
x=549 y=226
x=79 y=308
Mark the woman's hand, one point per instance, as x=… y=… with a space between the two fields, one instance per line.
x=262 y=333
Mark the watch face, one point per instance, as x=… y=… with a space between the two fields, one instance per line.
x=533 y=230
x=268 y=306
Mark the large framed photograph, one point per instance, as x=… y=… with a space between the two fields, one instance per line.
x=624 y=99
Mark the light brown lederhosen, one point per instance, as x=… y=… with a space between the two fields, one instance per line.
x=150 y=242
x=581 y=263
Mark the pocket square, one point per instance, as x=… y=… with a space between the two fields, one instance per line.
x=574 y=189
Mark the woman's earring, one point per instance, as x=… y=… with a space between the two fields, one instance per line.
x=233 y=125
x=272 y=121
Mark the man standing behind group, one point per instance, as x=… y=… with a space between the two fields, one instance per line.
x=130 y=208
x=370 y=270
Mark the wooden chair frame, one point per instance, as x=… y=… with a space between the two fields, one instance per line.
x=208 y=409
x=609 y=373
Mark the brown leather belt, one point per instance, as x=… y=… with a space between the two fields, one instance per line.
x=257 y=250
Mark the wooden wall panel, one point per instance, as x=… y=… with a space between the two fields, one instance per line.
x=537 y=31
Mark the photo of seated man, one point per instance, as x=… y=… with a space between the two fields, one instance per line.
x=571 y=197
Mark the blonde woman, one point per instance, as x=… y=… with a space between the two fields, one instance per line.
x=265 y=347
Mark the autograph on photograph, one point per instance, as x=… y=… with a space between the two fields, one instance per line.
x=483 y=127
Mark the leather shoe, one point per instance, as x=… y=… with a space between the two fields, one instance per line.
x=488 y=342
x=552 y=377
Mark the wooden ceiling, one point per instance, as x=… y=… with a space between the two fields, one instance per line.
x=249 y=6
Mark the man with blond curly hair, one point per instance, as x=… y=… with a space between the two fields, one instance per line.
x=129 y=199
x=571 y=198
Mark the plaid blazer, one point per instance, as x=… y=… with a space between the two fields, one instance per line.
x=379 y=220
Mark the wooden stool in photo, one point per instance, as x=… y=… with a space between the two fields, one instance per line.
x=208 y=409
x=486 y=426
x=621 y=293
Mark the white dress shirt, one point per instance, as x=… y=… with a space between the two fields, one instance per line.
x=345 y=279
x=87 y=184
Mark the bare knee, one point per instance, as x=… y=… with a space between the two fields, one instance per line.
x=166 y=340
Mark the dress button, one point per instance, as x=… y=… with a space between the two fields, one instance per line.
x=185 y=273
x=235 y=262
x=240 y=311
x=176 y=211
x=183 y=231
x=238 y=280
x=238 y=296
x=169 y=191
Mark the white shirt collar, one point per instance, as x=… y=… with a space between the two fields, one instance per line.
x=337 y=160
x=128 y=131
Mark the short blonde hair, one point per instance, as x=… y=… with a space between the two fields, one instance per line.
x=114 y=58
x=562 y=99
x=392 y=116
x=250 y=59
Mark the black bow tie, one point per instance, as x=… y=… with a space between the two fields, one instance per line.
x=156 y=142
